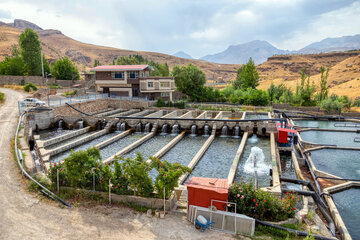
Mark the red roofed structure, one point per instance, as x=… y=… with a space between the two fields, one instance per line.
x=202 y=190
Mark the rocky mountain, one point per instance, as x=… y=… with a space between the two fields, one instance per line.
x=182 y=54
x=258 y=50
x=333 y=44
x=22 y=24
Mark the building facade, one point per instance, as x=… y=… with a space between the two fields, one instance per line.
x=133 y=81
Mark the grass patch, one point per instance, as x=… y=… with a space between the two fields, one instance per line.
x=311 y=214
x=265 y=232
x=136 y=207
x=2 y=97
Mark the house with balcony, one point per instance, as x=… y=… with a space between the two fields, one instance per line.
x=133 y=81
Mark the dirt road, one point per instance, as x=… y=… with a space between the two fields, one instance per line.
x=24 y=216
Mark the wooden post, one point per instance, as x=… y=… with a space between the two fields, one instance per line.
x=164 y=201
x=110 y=191
x=57 y=180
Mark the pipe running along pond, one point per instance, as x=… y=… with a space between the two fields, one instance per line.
x=43 y=189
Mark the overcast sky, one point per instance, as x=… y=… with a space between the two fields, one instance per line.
x=197 y=27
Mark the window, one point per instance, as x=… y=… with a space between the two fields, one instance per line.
x=164 y=84
x=165 y=94
x=118 y=75
x=150 y=84
x=133 y=74
x=141 y=74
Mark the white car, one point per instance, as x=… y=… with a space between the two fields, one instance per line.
x=32 y=102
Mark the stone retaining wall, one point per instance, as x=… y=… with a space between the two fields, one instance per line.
x=17 y=80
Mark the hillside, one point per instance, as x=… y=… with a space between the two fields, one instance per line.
x=56 y=45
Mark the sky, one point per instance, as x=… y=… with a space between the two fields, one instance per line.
x=197 y=27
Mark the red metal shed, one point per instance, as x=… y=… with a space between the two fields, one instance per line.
x=202 y=190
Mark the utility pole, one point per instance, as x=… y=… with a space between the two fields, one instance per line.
x=42 y=64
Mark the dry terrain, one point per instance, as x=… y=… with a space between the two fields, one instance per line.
x=344 y=75
x=25 y=216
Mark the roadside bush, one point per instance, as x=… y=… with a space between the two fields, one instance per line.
x=180 y=104
x=260 y=204
x=69 y=93
x=30 y=86
x=168 y=177
x=160 y=102
x=2 y=97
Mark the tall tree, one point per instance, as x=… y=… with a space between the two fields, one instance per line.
x=323 y=84
x=97 y=63
x=30 y=51
x=247 y=76
x=188 y=79
x=64 y=69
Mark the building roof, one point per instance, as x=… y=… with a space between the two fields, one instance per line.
x=121 y=68
x=213 y=184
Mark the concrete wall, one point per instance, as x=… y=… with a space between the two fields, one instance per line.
x=87 y=107
x=123 y=104
x=16 y=80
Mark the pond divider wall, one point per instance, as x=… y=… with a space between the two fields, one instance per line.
x=114 y=139
x=132 y=146
x=169 y=146
x=70 y=145
x=60 y=138
x=237 y=157
x=109 y=113
x=126 y=113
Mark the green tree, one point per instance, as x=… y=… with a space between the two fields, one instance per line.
x=12 y=66
x=30 y=51
x=188 y=79
x=97 y=63
x=323 y=84
x=247 y=76
x=305 y=91
x=64 y=69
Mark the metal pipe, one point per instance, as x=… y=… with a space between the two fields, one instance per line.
x=319 y=203
x=78 y=110
x=297 y=232
x=28 y=175
x=345 y=179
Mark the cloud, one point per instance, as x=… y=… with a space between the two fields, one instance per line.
x=194 y=26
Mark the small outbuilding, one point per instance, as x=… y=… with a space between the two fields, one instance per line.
x=202 y=190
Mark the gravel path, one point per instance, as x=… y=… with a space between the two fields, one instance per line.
x=24 y=216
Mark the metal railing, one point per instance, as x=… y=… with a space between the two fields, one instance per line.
x=115 y=96
x=61 y=100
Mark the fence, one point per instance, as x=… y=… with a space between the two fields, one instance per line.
x=114 y=96
x=61 y=100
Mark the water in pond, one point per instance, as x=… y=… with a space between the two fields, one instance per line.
x=342 y=163
x=59 y=157
x=328 y=124
x=345 y=139
x=251 y=116
x=218 y=159
x=348 y=204
x=53 y=146
x=264 y=145
x=115 y=147
x=184 y=151
x=150 y=147
x=288 y=171
x=51 y=133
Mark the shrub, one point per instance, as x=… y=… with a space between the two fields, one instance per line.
x=2 y=97
x=22 y=82
x=69 y=93
x=54 y=86
x=168 y=177
x=137 y=172
x=331 y=104
x=260 y=204
x=160 y=102
x=30 y=86
x=356 y=103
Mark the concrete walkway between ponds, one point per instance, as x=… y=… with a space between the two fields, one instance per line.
x=125 y=113
x=237 y=157
x=73 y=144
x=169 y=146
x=60 y=138
x=114 y=139
x=132 y=146
x=199 y=154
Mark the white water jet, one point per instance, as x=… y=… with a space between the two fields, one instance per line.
x=253 y=139
x=256 y=162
